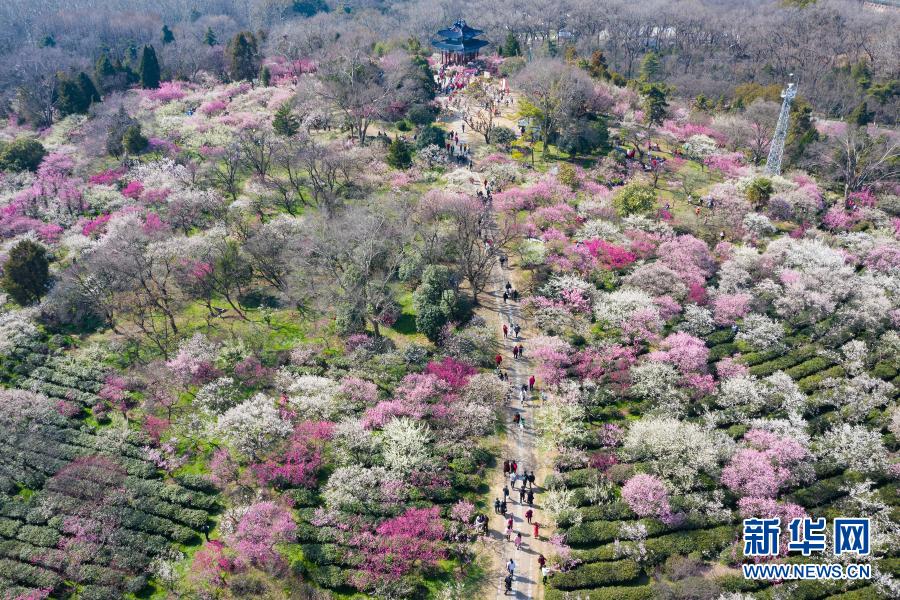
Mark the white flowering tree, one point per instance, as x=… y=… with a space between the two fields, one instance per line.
x=253 y=427
x=853 y=447
x=658 y=383
x=676 y=451
x=405 y=445
x=761 y=332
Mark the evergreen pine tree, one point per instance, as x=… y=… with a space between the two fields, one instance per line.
x=801 y=132
x=511 y=46
x=861 y=115
x=265 y=76
x=655 y=103
x=26 y=273
x=243 y=55
x=70 y=98
x=399 y=155
x=285 y=123
x=104 y=71
x=210 y=38
x=167 y=36
x=597 y=66
x=149 y=69
x=134 y=141
x=48 y=41
x=88 y=88
x=651 y=68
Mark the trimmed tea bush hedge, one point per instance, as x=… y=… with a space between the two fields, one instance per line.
x=596 y=575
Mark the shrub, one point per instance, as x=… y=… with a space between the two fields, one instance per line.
x=593 y=533
x=26 y=273
x=634 y=199
x=133 y=140
x=399 y=155
x=596 y=575
x=421 y=114
x=638 y=592
x=759 y=191
x=24 y=154
x=431 y=135
x=503 y=136
x=808 y=367
x=810 y=383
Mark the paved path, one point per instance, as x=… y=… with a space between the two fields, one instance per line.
x=519 y=445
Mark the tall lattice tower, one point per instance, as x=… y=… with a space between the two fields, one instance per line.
x=776 y=149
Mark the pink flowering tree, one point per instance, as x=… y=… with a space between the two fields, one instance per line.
x=763 y=468
x=551 y=355
x=400 y=545
x=264 y=525
x=456 y=373
x=728 y=308
x=684 y=351
x=647 y=496
x=300 y=463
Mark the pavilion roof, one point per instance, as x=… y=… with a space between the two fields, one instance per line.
x=468 y=45
x=459 y=31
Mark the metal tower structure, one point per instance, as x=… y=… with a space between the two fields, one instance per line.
x=776 y=149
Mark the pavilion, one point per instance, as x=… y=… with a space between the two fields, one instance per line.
x=458 y=44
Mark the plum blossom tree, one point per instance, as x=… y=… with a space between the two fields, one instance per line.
x=263 y=525
x=853 y=447
x=663 y=442
x=405 y=446
x=647 y=496
x=253 y=426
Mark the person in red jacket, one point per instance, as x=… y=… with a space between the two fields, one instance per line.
x=498 y=359
x=531 y=383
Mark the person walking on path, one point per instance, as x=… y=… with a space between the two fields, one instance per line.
x=522 y=424
x=503 y=508
x=521 y=397
x=522 y=495
x=530 y=496
x=508 y=286
x=498 y=359
x=531 y=479
x=519 y=541
x=505 y=296
x=516 y=418
x=512 y=480
x=511 y=567
x=517 y=328
x=516 y=352
x=542 y=562
x=497 y=506
x=507 y=584
x=545 y=572
x=514 y=467
x=508 y=532
x=531 y=379
x=521 y=350
x=505 y=468
x=537 y=530
x=505 y=493
x=505 y=331
x=528 y=515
